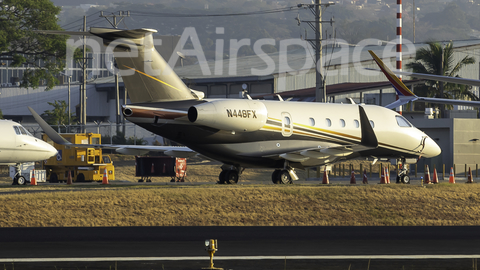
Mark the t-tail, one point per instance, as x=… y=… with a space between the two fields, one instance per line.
x=404 y=94
x=145 y=73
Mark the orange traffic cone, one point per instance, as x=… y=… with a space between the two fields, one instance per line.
x=33 y=181
x=427 y=175
x=451 y=179
x=325 y=177
x=387 y=175
x=105 y=177
x=69 y=178
x=435 y=177
x=352 y=178
x=365 y=179
x=470 y=179
x=382 y=177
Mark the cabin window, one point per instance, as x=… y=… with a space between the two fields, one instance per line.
x=312 y=122
x=402 y=122
x=17 y=130
x=287 y=121
x=328 y=122
x=356 y=124
x=342 y=123
x=372 y=124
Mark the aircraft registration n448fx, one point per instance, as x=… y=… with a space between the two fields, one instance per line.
x=245 y=133
x=17 y=146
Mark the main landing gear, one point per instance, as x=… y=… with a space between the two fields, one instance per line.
x=284 y=176
x=230 y=174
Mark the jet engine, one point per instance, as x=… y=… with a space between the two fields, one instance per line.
x=241 y=115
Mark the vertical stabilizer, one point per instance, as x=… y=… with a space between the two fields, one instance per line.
x=145 y=73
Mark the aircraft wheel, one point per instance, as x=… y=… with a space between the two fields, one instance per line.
x=275 y=177
x=284 y=177
x=231 y=177
x=221 y=177
x=405 y=179
x=21 y=180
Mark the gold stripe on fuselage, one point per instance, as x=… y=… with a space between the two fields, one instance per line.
x=314 y=134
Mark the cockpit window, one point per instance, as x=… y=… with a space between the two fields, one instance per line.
x=402 y=122
x=19 y=130
x=25 y=132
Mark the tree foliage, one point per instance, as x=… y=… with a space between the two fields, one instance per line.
x=59 y=114
x=439 y=60
x=42 y=55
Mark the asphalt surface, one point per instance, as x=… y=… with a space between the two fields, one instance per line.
x=165 y=242
x=236 y=241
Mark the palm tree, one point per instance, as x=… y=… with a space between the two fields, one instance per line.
x=439 y=60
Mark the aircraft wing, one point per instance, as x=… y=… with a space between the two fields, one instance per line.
x=405 y=95
x=175 y=151
x=432 y=77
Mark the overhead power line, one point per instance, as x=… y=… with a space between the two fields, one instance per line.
x=182 y=15
x=78 y=23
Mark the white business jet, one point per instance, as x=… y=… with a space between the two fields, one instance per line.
x=245 y=133
x=17 y=146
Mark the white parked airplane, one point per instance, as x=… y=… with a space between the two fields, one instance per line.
x=244 y=133
x=17 y=146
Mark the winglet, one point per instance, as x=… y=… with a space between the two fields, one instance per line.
x=399 y=86
x=51 y=133
x=404 y=94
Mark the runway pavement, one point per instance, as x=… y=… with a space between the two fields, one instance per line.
x=243 y=247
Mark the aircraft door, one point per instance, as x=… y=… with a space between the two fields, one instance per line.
x=287 y=124
x=11 y=144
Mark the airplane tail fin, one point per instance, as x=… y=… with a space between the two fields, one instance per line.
x=404 y=94
x=145 y=73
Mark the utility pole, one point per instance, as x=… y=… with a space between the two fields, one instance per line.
x=414 y=21
x=114 y=24
x=83 y=104
x=316 y=43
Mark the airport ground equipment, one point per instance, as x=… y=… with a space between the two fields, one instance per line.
x=83 y=163
x=22 y=173
x=161 y=166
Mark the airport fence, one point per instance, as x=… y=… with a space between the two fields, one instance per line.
x=342 y=170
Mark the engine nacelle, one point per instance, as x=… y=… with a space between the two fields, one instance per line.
x=239 y=115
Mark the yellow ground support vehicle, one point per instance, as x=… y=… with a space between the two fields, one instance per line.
x=84 y=164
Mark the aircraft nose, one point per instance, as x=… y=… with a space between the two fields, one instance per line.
x=431 y=148
x=50 y=151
